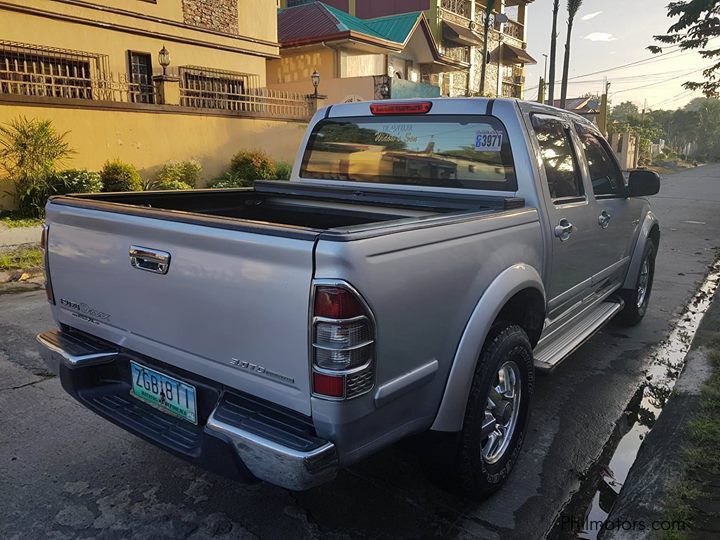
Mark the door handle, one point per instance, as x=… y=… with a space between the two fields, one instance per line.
x=604 y=219
x=150 y=260
x=564 y=230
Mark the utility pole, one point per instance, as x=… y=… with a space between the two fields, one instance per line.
x=603 y=120
x=541 y=91
x=486 y=31
x=553 y=53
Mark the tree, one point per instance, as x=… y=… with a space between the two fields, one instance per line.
x=572 y=7
x=698 y=23
x=553 y=53
x=622 y=111
x=490 y=4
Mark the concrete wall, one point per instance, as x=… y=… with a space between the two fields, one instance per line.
x=298 y=65
x=336 y=90
x=149 y=139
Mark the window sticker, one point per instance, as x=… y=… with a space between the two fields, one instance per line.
x=488 y=140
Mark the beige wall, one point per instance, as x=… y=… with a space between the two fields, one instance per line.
x=298 y=65
x=149 y=139
x=360 y=65
x=336 y=90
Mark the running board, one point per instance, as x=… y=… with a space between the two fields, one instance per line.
x=548 y=354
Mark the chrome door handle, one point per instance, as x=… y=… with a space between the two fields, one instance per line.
x=150 y=260
x=564 y=230
x=604 y=219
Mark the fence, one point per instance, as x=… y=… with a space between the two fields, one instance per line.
x=48 y=73
x=233 y=91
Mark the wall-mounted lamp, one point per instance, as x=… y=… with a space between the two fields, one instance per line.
x=164 y=59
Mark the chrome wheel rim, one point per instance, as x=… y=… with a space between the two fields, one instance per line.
x=501 y=412
x=643 y=280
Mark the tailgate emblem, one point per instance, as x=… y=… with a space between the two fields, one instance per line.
x=150 y=260
x=260 y=370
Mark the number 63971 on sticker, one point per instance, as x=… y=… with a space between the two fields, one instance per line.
x=488 y=141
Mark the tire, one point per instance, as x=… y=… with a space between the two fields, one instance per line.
x=481 y=468
x=637 y=299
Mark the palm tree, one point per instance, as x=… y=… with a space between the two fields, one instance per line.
x=553 y=53
x=572 y=7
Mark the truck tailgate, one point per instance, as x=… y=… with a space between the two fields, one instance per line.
x=233 y=306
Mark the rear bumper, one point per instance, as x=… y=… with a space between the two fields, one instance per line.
x=237 y=435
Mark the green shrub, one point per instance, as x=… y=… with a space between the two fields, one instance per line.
x=183 y=172
x=76 y=181
x=251 y=166
x=171 y=185
x=29 y=152
x=229 y=180
x=283 y=169
x=119 y=176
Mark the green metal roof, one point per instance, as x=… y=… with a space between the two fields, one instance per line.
x=395 y=28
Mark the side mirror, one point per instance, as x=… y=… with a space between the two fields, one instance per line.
x=643 y=183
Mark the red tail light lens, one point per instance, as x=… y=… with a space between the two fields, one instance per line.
x=419 y=107
x=336 y=303
x=343 y=342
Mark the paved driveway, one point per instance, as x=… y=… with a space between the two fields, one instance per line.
x=65 y=472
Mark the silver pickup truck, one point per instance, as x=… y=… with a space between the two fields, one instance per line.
x=426 y=258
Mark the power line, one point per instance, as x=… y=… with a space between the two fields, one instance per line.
x=676 y=97
x=651 y=60
x=659 y=82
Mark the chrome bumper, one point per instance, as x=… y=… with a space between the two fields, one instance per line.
x=309 y=463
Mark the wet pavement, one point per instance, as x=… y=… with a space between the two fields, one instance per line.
x=65 y=473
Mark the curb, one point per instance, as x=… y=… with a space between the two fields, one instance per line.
x=647 y=491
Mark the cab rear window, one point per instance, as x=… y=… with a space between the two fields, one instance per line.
x=441 y=151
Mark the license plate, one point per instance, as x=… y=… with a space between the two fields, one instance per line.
x=164 y=393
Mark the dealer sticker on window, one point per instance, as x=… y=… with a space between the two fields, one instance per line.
x=488 y=140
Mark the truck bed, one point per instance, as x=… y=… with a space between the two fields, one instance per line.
x=317 y=208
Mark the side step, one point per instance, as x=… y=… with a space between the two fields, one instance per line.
x=560 y=344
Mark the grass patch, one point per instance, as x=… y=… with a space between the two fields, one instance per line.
x=13 y=220
x=20 y=258
x=701 y=459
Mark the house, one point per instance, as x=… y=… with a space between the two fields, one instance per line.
x=148 y=81
x=457 y=26
x=588 y=106
x=357 y=59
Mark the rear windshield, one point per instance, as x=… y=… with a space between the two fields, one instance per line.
x=443 y=151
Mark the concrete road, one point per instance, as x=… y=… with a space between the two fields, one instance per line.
x=66 y=473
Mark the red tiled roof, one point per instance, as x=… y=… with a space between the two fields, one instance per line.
x=304 y=22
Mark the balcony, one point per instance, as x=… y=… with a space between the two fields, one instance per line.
x=458 y=7
x=460 y=54
x=57 y=76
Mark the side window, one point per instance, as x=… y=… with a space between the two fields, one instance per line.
x=558 y=156
x=606 y=176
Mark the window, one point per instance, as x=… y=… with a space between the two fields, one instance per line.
x=443 y=151
x=559 y=160
x=141 y=84
x=36 y=71
x=606 y=177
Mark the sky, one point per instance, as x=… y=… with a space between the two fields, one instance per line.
x=607 y=34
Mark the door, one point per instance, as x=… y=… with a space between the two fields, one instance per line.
x=570 y=218
x=616 y=213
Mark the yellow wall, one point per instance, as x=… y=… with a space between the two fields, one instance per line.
x=119 y=33
x=297 y=66
x=149 y=139
x=336 y=90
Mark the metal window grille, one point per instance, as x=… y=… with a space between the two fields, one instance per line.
x=33 y=70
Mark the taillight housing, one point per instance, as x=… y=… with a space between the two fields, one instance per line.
x=44 y=237
x=343 y=342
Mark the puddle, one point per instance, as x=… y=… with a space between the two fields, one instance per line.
x=601 y=485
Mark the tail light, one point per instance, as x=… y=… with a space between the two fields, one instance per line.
x=343 y=342
x=44 y=246
x=412 y=107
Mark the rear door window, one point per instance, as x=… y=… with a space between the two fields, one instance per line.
x=607 y=178
x=442 y=151
x=559 y=159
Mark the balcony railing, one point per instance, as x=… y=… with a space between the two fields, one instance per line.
x=514 y=29
x=511 y=90
x=54 y=74
x=203 y=88
x=461 y=54
x=459 y=7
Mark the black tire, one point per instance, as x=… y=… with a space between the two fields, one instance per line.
x=635 y=309
x=474 y=474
